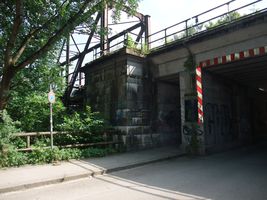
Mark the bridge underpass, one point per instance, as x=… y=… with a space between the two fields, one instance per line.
x=233 y=61
x=235 y=102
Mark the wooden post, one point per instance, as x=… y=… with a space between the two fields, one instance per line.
x=28 y=141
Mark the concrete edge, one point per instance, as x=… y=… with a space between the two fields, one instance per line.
x=82 y=175
x=44 y=182
x=143 y=163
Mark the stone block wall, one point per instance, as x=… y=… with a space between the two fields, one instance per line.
x=119 y=87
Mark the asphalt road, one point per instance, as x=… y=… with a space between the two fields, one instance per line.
x=234 y=175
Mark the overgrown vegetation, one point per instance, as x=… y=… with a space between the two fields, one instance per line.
x=28 y=111
x=30 y=35
x=83 y=127
x=190 y=63
x=223 y=20
x=7 y=128
x=40 y=155
x=131 y=44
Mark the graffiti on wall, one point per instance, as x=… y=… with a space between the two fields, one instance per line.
x=217 y=122
x=188 y=132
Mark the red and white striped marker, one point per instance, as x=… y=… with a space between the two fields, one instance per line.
x=199 y=94
x=234 y=56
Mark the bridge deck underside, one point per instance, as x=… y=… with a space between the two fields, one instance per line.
x=250 y=72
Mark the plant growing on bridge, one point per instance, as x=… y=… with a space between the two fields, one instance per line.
x=131 y=44
x=223 y=20
x=190 y=63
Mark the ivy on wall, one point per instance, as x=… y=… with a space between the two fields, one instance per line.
x=190 y=63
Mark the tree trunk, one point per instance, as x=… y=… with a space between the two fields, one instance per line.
x=5 y=85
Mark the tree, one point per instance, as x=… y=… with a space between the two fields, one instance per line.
x=28 y=95
x=29 y=29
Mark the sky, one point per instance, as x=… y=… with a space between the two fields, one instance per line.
x=165 y=13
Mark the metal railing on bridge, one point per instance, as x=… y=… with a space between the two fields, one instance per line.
x=221 y=15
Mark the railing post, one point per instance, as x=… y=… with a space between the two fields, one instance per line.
x=28 y=141
x=186 y=28
x=228 y=12
x=165 y=35
x=104 y=36
x=126 y=39
x=147 y=32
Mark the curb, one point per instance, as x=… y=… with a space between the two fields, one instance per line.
x=82 y=175
x=130 y=166
x=43 y=183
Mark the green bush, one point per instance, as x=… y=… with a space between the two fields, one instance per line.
x=40 y=155
x=96 y=152
x=10 y=157
x=7 y=128
x=83 y=127
x=82 y=122
x=33 y=111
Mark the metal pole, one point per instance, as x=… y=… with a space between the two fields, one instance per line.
x=147 y=32
x=51 y=121
x=51 y=124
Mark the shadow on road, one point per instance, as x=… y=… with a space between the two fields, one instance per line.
x=238 y=174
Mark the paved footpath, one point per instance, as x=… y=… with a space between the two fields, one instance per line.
x=14 y=179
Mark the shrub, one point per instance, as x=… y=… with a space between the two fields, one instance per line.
x=83 y=127
x=7 y=127
x=96 y=152
x=40 y=155
x=35 y=106
x=82 y=122
x=10 y=157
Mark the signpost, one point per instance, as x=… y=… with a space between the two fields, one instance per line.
x=51 y=99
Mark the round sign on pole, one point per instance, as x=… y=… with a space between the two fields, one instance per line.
x=51 y=97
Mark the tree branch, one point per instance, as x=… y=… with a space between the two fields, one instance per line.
x=14 y=33
x=52 y=40
x=34 y=32
x=23 y=46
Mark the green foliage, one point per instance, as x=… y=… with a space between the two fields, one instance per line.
x=224 y=19
x=84 y=127
x=38 y=76
x=131 y=44
x=7 y=127
x=86 y=122
x=44 y=19
x=10 y=157
x=28 y=99
x=190 y=62
x=96 y=152
x=30 y=30
x=40 y=155
x=131 y=6
x=33 y=111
